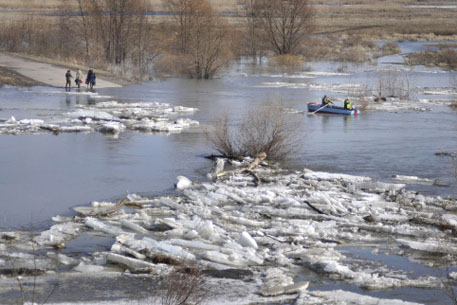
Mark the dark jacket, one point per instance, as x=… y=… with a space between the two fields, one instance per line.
x=68 y=76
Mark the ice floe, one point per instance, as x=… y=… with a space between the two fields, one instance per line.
x=108 y=117
x=291 y=221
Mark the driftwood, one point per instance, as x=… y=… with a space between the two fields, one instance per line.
x=260 y=157
x=118 y=205
x=314 y=208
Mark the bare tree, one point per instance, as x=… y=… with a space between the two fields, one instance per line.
x=113 y=24
x=208 y=46
x=83 y=22
x=200 y=36
x=185 y=14
x=285 y=23
x=252 y=40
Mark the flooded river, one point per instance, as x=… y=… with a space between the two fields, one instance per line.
x=45 y=175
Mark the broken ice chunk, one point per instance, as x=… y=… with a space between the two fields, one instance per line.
x=183 y=183
x=247 y=241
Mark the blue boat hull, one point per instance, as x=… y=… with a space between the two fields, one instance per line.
x=312 y=107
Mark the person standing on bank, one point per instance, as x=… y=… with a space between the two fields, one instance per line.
x=78 y=80
x=68 y=77
x=90 y=79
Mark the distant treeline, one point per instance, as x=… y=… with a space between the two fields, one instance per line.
x=191 y=40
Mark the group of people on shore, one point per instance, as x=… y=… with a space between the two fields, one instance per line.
x=90 y=79
x=326 y=101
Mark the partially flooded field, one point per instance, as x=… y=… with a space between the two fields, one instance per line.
x=362 y=213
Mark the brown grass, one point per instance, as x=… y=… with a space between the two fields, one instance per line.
x=173 y=65
x=377 y=18
x=12 y=78
x=286 y=60
x=390 y=48
x=221 y=5
x=29 y=4
x=343 y=47
x=446 y=58
x=384 y=17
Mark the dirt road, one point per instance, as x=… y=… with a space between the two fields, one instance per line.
x=45 y=73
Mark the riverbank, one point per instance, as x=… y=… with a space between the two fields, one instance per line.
x=10 y=77
x=24 y=70
x=254 y=235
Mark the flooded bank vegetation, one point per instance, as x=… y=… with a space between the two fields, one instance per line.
x=262 y=130
x=197 y=38
x=393 y=84
x=443 y=57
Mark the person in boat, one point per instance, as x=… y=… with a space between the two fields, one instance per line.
x=326 y=100
x=347 y=104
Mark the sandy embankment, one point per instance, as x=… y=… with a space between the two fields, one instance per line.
x=39 y=73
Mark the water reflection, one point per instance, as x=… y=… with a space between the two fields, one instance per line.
x=347 y=121
x=68 y=100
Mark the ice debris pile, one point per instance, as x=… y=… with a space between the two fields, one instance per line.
x=265 y=233
x=108 y=117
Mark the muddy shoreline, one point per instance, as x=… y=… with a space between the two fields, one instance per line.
x=9 y=77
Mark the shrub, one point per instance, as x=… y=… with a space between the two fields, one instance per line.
x=175 y=65
x=446 y=57
x=390 y=48
x=347 y=48
x=393 y=84
x=184 y=285
x=265 y=129
x=286 y=60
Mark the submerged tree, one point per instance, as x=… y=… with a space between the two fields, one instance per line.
x=284 y=22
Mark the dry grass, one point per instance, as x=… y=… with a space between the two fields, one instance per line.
x=12 y=78
x=29 y=4
x=344 y=47
x=286 y=60
x=390 y=48
x=172 y=65
x=386 y=18
x=446 y=58
x=221 y=5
